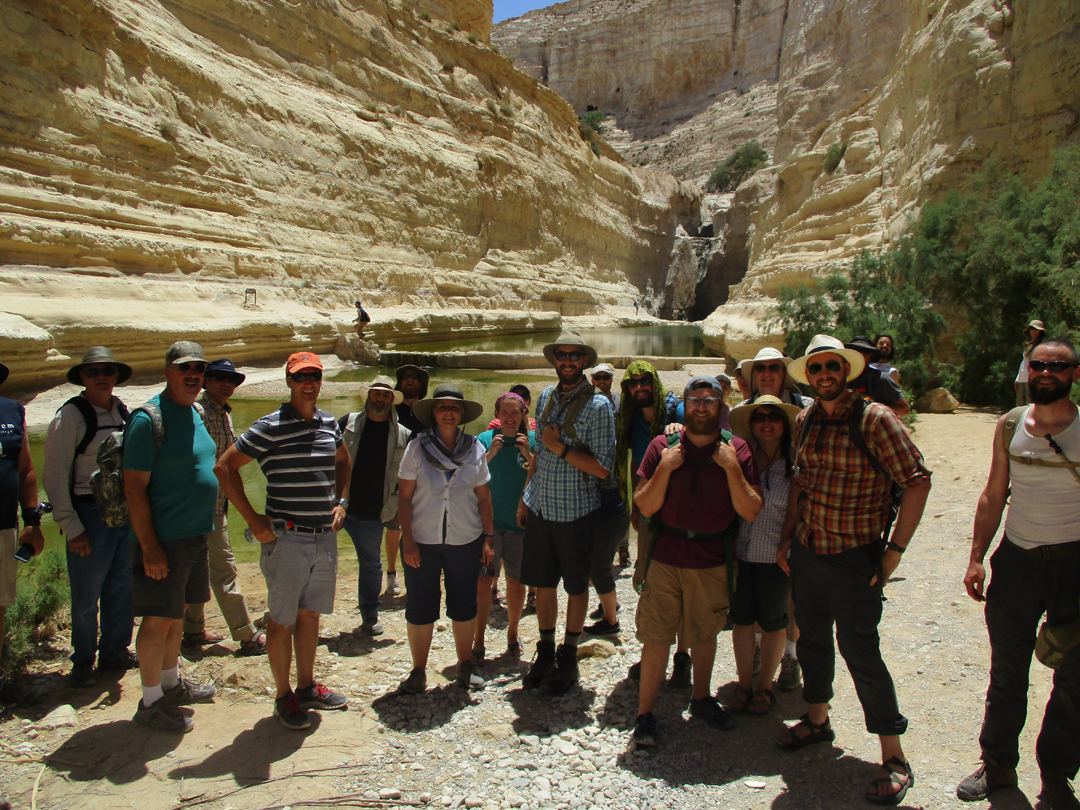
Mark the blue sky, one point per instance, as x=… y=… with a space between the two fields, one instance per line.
x=505 y=9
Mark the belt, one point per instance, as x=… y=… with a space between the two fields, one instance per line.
x=690 y=535
x=1050 y=552
x=292 y=527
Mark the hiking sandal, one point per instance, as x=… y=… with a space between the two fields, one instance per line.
x=740 y=698
x=819 y=732
x=899 y=774
x=763 y=702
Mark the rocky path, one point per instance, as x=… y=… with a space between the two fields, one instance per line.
x=503 y=747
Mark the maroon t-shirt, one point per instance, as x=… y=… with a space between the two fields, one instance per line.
x=697 y=499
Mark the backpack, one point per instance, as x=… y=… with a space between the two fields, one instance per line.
x=107 y=482
x=89 y=415
x=583 y=396
x=1012 y=421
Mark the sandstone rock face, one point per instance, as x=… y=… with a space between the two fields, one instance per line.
x=159 y=159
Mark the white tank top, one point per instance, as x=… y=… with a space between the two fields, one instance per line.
x=1045 y=505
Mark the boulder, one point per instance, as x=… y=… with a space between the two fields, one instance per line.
x=58 y=717
x=938 y=400
x=596 y=648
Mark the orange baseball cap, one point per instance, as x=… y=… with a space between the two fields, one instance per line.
x=302 y=360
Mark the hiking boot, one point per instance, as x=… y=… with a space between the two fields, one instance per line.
x=645 y=735
x=603 y=629
x=757 y=661
x=598 y=613
x=564 y=674
x=415 y=683
x=1057 y=793
x=468 y=677
x=291 y=714
x=710 y=710
x=634 y=672
x=790 y=673
x=371 y=627
x=82 y=675
x=318 y=696
x=680 y=672
x=187 y=692
x=162 y=716
x=987 y=778
x=125 y=661
x=543 y=662
x=392 y=586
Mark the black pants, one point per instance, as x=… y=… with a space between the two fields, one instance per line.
x=1021 y=589
x=835 y=589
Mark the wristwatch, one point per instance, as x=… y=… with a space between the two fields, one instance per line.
x=343 y=503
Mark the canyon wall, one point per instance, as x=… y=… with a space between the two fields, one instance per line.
x=159 y=158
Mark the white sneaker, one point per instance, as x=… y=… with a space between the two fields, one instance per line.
x=392 y=586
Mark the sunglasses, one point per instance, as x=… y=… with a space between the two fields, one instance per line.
x=572 y=356
x=767 y=416
x=409 y=376
x=832 y=365
x=100 y=371
x=187 y=368
x=708 y=402
x=1056 y=366
x=221 y=378
x=644 y=382
x=601 y=377
x=306 y=376
x=775 y=368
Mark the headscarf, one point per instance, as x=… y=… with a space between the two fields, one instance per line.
x=436 y=454
x=664 y=405
x=511 y=394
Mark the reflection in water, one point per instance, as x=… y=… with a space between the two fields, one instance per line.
x=661 y=340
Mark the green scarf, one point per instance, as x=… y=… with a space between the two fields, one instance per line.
x=625 y=417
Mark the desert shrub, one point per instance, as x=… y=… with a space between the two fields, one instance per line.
x=506 y=109
x=490 y=103
x=474 y=39
x=833 y=157
x=425 y=17
x=41 y=597
x=594 y=120
x=739 y=165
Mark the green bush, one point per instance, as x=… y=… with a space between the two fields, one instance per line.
x=595 y=120
x=425 y=17
x=739 y=165
x=506 y=109
x=41 y=596
x=833 y=157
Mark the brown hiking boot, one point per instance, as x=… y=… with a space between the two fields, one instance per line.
x=987 y=778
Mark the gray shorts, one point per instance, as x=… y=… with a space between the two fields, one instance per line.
x=508 y=552
x=301 y=573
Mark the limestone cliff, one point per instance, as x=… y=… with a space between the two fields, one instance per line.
x=160 y=157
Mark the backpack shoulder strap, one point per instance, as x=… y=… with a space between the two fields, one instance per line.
x=157 y=423
x=1012 y=422
x=89 y=415
x=855 y=431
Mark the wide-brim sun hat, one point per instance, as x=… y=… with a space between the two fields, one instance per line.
x=224 y=367
x=739 y=416
x=97 y=354
x=822 y=344
x=765 y=355
x=568 y=338
x=861 y=343
x=447 y=392
x=424 y=375
x=385 y=383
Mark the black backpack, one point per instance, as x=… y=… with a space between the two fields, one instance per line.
x=89 y=415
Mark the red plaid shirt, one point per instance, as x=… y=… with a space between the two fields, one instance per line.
x=845 y=502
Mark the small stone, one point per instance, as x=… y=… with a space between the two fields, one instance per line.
x=473 y=801
x=389 y=793
x=754 y=784
x=441 y=627
x=60 y=716
x=425 y=798
x=596 y=648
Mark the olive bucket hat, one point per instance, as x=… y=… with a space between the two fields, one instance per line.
x=98 y=354
x=568 y=338
x=740 y=416
x=447 y=392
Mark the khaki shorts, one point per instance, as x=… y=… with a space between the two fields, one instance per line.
x=9 y=566
x=695 y=597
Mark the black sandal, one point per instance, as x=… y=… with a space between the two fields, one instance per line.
x=896 y=768
x=819 y=732
x=763 y=702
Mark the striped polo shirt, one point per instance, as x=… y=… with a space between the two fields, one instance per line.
x=297 y=458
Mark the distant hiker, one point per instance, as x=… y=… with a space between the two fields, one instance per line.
x=1036 y=571
x=849 y=455
x=1034 y=333
x=220 y=382
x=303 y=456
x=171 y=495
x=376 y=444
x=98 y=556
x=559 y=507
x=636 y=307
x=362 y=320
x=873 y=384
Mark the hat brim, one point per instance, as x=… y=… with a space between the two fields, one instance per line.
x=237 y=377
x=398 y=396
x=4 y=371
x=864 y=350
x=425 y=375
x=74 y=378
x=797 y=367
x=423 y=409
x=739 y=417
x=590 y=360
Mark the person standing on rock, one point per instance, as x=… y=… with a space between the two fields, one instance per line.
x=559 y=507
x=376 y=444
x=1036 y=571
x=849 y=455
x=412 y=382
x=171 y=494
x=98 y=556
x=220 y=382
x=303 y=456
x=1034 y=333
x=694 y=485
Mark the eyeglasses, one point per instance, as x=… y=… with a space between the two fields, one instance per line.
x=645 y=382
x=99 y=371
x=832 y=365
x=1056 y=366
x=601 y=377
x=766 y=416
x=572 y=356
x=775 y=368
x=708 y=402
x=187 y=368
x=307 y=376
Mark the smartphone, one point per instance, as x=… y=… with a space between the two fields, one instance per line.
x=24 y=552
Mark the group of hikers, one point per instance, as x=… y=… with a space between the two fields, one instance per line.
x=782 y=517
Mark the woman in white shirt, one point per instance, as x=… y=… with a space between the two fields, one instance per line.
x=447 y=529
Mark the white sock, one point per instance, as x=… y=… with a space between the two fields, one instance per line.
x=170 y=677
x=789 y=649
x=757 y=639
x=152 y=694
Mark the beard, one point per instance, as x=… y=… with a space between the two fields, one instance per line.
x=703 y=425
x=570 y=379
x=644 y=397
x=1046 y=395
x=376 y=410
x=833 y=393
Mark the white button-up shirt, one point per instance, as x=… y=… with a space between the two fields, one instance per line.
x=439 y=503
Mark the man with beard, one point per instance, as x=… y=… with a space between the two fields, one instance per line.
x=558 y=508
x=695 y=488
x=848 y=455
x=376 y=443
x=412 y=382
x=1036 y=570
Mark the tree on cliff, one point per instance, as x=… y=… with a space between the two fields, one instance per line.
x=739 y=165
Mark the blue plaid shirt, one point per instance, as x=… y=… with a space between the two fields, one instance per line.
x=558 y=491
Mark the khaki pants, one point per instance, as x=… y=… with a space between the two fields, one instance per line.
x=225 y=587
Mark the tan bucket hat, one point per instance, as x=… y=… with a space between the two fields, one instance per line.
x=98 y=354
x=820 y=345
x=568 y=338
x=739 y=416
x=450 y=392
x=382 y=381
